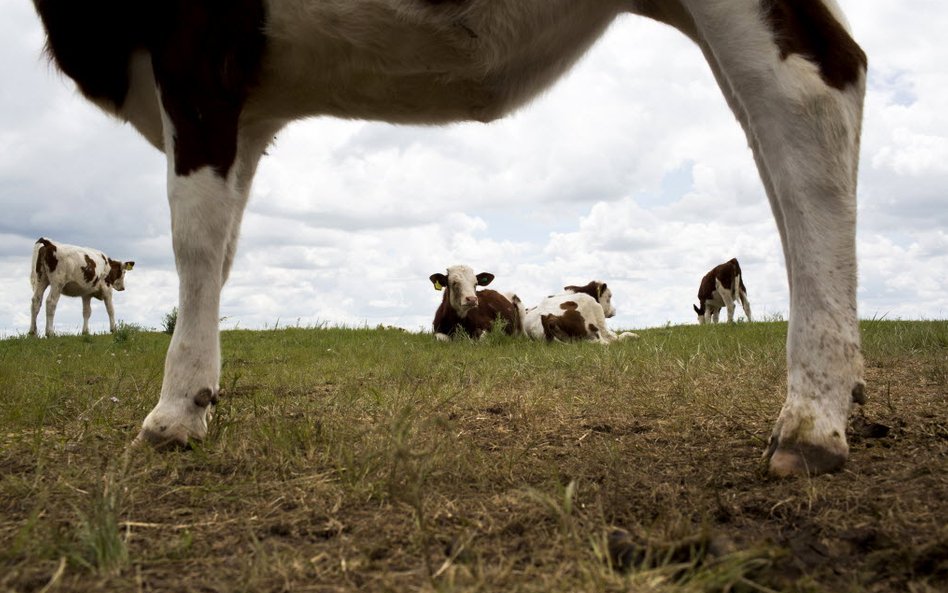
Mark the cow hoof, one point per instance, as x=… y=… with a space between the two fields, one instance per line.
x=163 y=438
x=802 y=459
x=166 y=428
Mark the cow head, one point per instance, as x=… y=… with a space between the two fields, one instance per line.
x=700 y=313
x=599 y=291
x=116 y=275
x=461 y=284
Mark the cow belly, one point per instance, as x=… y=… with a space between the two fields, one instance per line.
x=74 y=289
x=418 y=62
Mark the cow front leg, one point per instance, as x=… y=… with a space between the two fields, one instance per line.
x=201 y=214
x=798 y=92
x=110 y=310
x=86 y=313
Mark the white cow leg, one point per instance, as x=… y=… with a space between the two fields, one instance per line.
x=745 y=304
x=803 y=120
x=86 y=313
x=202 y=209
x=52 y=299
x=728 y=297
x=110 y=310
x=253 y=141
x=36 y=304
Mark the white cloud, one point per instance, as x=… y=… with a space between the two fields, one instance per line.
x=631 y=170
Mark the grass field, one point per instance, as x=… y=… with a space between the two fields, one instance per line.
x=379 y=460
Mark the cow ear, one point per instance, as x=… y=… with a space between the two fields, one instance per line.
x=484 y=278
x=601 y=289
x=129 y=265
x=439 y=281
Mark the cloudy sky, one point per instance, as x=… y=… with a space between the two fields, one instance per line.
x=630 y=170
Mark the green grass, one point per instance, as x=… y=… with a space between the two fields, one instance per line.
x=358 y=459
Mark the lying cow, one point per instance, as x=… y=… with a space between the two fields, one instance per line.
x=721 y=287
x=578 y=314
x=463 y=307
x=75 y=272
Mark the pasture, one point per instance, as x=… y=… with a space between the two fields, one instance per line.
x=379 y=460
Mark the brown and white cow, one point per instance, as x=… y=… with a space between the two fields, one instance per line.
x=74 y=272
x=578 y=314
x=211 y=83
x=722 y=287
x=463 y=307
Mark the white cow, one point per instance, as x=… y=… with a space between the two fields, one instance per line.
x=578 y=314
x=211 y=83
x=74 y=272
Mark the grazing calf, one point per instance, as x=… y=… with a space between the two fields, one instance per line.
x=211 y=83
x=578 y=314
x=721 y=287
x=74 y=272
x=464 y=307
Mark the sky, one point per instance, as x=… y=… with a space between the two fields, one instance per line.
x=630 y=170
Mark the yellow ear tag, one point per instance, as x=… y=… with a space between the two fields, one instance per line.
x=437 y=285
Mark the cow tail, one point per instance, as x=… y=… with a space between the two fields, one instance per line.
x=37 y=266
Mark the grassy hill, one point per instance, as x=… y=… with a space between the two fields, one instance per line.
x=379 y=460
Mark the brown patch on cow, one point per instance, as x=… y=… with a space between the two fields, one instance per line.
x=115 y=271
x=88 y=270
x=47 y=256
x=205 y=397
x=206 y=57
x=566 y=327
x=569 y=306
x=205 y=64
x=807 y=28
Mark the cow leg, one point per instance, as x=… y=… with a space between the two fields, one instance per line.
x=206 y=209
x=802 y=116
x=727 y=295
x=252 y=142
x=86 y=313
x=745 y=304
x=110 y=309
x=52 y=299
x=37 y=302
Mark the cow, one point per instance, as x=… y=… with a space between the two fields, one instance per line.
x=578 y=314
x=211 y=83
x=465 y=308
x=722 y=287
x=74 y=272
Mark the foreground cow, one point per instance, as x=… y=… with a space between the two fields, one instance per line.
x=211 y=83
x=74 y=272
x=722 y=287
x=465 y=308
x=578 y=314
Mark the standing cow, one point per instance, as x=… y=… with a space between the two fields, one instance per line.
x=464 y=307
x=211 y=83
x=722 y=287
x=74 y=272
